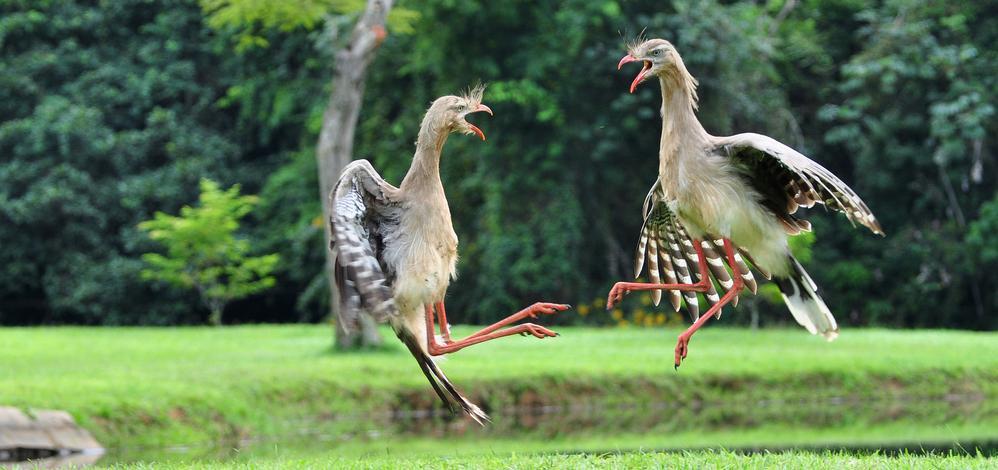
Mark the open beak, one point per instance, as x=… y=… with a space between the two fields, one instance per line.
x=641 y=75
x=625 y=60
x=474 y=128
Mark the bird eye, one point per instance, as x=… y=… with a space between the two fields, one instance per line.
x=656 y=52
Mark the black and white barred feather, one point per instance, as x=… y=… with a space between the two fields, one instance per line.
x=667 y=249
x=787 y=180
x=361 y=212
x=364 y=217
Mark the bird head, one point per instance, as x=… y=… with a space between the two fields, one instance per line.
x=452 y=111
x=659 y=58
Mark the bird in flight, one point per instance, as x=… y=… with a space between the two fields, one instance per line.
x=727 y=199
x=396 y=250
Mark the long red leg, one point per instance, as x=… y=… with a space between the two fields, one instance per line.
x=682 y=346
x=444 y=327
x=529 y=312
x=489 y=332
x=621 y=289
x=430 y=330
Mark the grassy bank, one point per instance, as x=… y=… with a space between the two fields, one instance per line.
x=691 y=460
x=144 y=386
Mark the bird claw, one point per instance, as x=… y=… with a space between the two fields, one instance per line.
x=539 y=308
x=546 y=309
x=682 y=349
x=616 y=295
x=538 y=331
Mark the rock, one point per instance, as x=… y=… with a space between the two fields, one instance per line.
x=49 y=438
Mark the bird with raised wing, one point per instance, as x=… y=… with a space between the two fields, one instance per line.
x=396 y=250
x=732 y=199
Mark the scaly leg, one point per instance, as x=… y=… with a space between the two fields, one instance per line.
x=531 y=312
x=444 y=327
x=490 y=332
x=621 y=289
x=682 y=347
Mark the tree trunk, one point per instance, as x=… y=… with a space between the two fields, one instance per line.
x=366 y=335
x=215 y=318
x=335 y=147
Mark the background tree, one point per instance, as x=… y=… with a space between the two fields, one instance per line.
x=110 y=112
x=107 y=113
x=336 y=136
x=335 y=147
x=203 y=253
x=914 y=111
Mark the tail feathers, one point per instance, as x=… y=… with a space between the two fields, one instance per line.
x=801 y=296
x=444 y=388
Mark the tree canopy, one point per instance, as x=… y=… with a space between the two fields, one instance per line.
x=114 y=111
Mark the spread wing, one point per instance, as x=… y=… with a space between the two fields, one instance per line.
x=363 y=216
x=787 y=180
x=667 y=250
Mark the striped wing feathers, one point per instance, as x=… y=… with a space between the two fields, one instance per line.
x=667 y=250
x=788 y=180
x=361 y=203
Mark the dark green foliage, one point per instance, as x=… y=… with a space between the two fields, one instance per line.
x=290 y=222
x=914 y=115
x=111 y=113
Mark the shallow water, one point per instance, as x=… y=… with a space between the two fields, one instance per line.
x=955 y=423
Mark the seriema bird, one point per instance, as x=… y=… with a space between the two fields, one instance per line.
x=736 y=195
x=396 y=250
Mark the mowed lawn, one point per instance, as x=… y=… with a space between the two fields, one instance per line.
x=147 y=385
x=680 y=460
x=42 y=366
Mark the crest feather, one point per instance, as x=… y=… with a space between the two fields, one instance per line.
x=633 y=44
x=474 y=94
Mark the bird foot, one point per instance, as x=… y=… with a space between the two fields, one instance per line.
x=537 y=331
x=682 y=348
x=524 y=329
x=499 y=329
x=617 y=294
x=543 y=308
x=539 y=308
x=621 y=289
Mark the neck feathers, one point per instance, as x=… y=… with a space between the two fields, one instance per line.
x=425 y=169
x=679 y=80
x=432 y=131
x=682 y=134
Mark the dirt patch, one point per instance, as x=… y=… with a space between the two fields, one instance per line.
x=177 y=414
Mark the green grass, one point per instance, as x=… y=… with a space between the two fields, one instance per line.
x=148 y=386
x=691 y=460
x=461 y=445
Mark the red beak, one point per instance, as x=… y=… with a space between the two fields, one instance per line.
x=626 y=59
x=475 y=129
x=641 y=75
